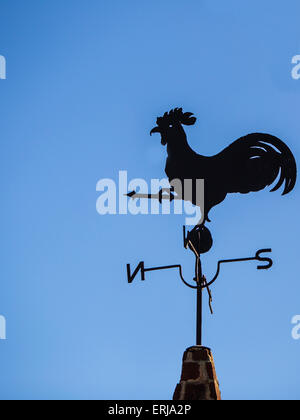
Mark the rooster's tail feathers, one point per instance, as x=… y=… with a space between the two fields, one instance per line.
x=262 y=159
x=285 y=161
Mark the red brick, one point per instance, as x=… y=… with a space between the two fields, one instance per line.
x=196 y=392
x=210 y=370
x=214 y=392
x=198 y=378
x=177 y=392
x=201 y=355
x=190 y=370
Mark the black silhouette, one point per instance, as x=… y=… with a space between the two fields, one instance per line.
x=249 y=164
x=199 y=240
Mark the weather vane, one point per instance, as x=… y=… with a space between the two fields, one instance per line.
x=249 y=164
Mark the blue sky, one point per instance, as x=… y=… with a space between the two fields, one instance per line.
x=85 y=82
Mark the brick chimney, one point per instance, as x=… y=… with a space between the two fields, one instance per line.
x=198 y=379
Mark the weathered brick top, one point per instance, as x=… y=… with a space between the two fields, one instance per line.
x=198 y=378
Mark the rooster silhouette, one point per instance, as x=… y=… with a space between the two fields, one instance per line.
x=249 y=164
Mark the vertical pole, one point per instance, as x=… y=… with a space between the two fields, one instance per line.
x=199 y=302
x=199 y=316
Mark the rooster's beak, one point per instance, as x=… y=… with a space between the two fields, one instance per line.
x=155 y=130
x=158 y=130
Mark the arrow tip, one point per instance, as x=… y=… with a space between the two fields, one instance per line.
x=131 y=194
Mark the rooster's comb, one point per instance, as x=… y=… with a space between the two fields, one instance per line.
x=176 y=115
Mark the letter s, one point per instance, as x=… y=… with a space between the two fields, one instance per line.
x=296 y=69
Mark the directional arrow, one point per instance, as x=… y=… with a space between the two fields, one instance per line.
x=163 y=194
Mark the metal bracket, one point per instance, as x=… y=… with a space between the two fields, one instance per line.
x=141 y=268
x=201 y=282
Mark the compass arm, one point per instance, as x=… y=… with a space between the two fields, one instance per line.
x=256 y=258
x=143 y=270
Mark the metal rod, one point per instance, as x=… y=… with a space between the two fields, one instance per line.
x=168 y=267
x=165 y=267
x=199 y=301
x=199 y=316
